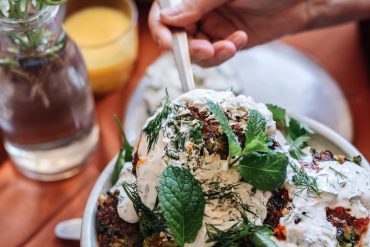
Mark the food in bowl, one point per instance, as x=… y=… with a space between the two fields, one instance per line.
x=214 y=169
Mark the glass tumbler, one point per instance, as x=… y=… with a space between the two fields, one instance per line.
x=106 y=32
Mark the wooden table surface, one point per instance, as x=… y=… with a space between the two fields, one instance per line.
x=30 y=210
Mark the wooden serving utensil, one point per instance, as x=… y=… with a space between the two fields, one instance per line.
x=180 y=49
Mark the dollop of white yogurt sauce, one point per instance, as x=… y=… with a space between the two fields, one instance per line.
x=349 y=191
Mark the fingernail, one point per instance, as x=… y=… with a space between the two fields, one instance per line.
x=170 y=11
x=199 y=54
x=223 y=55
x=239 y=42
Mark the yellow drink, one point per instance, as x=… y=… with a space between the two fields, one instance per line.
x=108 y=42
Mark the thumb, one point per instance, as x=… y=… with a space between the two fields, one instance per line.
x=189 y=11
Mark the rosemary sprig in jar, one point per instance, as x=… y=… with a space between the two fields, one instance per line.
x=30 y=40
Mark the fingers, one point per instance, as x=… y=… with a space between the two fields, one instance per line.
x=188 y=12
x=206 y=54
x=161 y=34
x=201 y=49
x=224 y=50
x=239 y=39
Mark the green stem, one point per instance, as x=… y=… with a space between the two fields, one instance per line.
x=11 y=8
x=26 y=8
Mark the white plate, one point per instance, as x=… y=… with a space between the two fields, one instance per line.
x=272 y=73
x=323 y=139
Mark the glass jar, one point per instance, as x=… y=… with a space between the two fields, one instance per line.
x=46 y=105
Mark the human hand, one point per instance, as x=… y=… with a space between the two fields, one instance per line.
x=217 y=29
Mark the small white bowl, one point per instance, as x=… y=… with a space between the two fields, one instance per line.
x=323 y=139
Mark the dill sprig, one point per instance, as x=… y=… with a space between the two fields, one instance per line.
x=195 y=133
x=150 y=221
x=241 y=233
x=229 y=238
x=303 y=181
x=340 y=175
x=153 y=128
x=216 y=191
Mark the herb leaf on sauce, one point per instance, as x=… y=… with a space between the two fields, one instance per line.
x=297 y=133
x=303 y=181
x=241 y=234
x=297 y=145
x=256 y=138
x=124 y=155
x=150 y=221
x=265 y=171
x=153 y=128
x=296 y=129
x=182 y=202
x=234 y=145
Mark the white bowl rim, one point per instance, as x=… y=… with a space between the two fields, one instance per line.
x=88 y=233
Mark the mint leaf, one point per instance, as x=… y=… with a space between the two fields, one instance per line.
x=297 y=145
x=125 y=154
x=278 y=114
x=182 y=202
x=260 y=144
x=255 y=126
x=256 y=138
x=234 y=146
x=265 y=171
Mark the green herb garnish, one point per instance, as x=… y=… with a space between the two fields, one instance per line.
x=150 y=221
x=303 y=181
x=153 y=128
x=296 y=129
x=182 y=202
x=118 y=166
x=256 y=138
x=234 y=145
x=126 y=145
x=297 y=133
x=124 y=155
x=278 y=114
x=22 y=9
x=242 y=233
x=297 y=145
x=357 y=160
x=265 y=171
x=195 y=133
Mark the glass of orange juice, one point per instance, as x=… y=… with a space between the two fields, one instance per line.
x=106 y=32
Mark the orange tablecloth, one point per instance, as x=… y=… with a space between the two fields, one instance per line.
x=29 y=210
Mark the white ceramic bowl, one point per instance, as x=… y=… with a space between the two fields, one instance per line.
x=323 y=139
